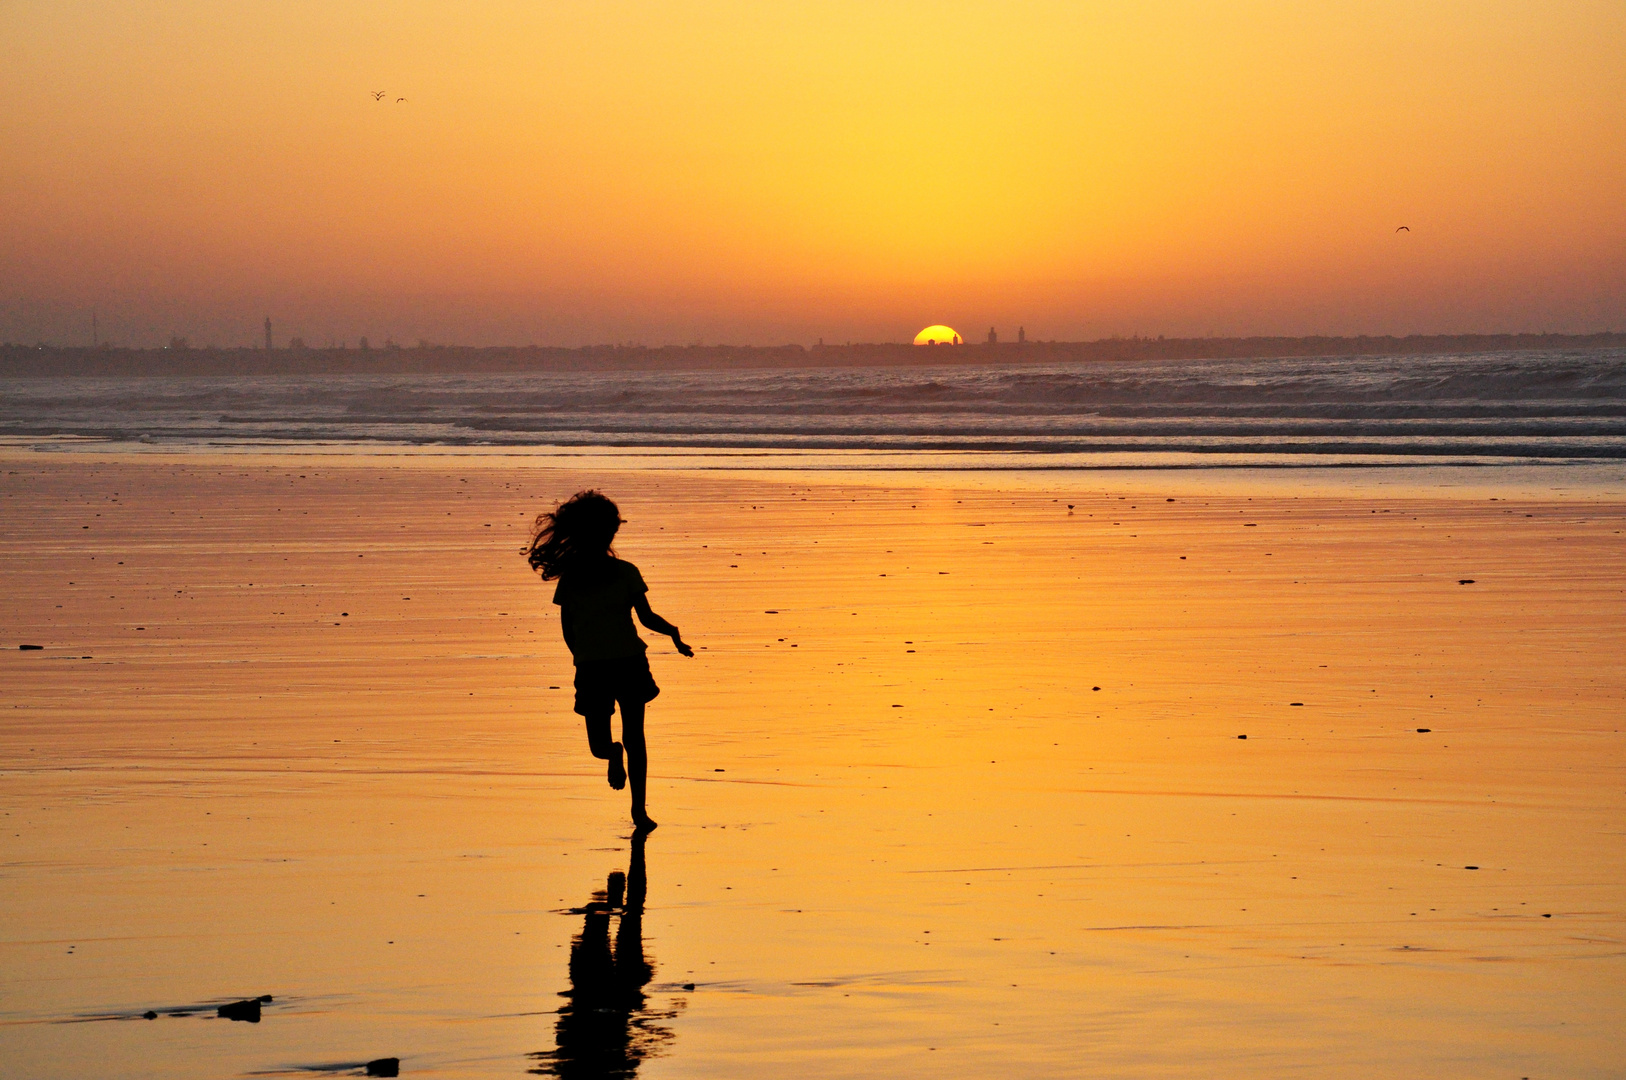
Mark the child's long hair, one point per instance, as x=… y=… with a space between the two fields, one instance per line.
x=575 y=534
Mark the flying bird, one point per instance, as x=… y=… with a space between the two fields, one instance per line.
x=378 y=95
x=399 y=100
x=1404 y=228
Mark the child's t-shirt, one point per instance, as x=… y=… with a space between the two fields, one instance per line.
x=598 y=602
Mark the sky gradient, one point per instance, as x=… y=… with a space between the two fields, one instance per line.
x=569 y=173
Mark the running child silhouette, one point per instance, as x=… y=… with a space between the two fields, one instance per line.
x=597 y=595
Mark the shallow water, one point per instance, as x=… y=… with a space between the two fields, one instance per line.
x=293 y=732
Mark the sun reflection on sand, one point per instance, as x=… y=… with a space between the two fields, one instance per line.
x=304 y=729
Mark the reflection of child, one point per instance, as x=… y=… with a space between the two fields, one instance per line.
x=606 y=1027
x=597 y=595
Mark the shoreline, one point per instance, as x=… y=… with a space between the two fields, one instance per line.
x=1408 y=478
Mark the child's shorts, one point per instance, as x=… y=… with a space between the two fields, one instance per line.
x=602 y=683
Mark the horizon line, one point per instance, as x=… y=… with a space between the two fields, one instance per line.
x=295 y=344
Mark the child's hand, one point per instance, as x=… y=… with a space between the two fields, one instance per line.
x=681 y=647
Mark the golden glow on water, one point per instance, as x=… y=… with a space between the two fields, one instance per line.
x=314 y=753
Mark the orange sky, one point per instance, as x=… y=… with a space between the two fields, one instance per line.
x=570 y=172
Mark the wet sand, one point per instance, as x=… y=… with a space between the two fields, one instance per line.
x=955 y=786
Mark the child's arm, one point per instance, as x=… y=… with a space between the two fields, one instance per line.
x=659 y=625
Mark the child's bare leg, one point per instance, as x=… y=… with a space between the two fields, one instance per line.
x=632 y=735
x=598 y=741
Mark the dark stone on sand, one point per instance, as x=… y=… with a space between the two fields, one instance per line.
x=30 y=648
x=688 y=986
x=1465 y=581
x=1296 y=704
x=149 y=1015
x=1095 y=688
x=1546 y=916
x=247 y=1010
x=1470 y=868
x=384 y=1067
x=1424 y=730
x=1242 y=736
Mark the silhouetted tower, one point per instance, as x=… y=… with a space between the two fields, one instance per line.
x=268 y=333
x=1021 y=334
x=993 y=338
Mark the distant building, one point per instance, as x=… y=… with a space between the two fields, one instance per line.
x=268 y=345
x=1021 y=334
x=993 y=338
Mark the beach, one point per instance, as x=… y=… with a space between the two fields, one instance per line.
x=1115 y=773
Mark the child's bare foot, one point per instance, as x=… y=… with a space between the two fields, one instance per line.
x=642 y=822
x=618 y=771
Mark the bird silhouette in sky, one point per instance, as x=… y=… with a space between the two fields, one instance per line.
x=1404 y=228
x=399 y=100
x=378 y=95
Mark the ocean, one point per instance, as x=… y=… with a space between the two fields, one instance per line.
x=1548 y=407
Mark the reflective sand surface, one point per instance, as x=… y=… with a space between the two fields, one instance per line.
x=294 y=732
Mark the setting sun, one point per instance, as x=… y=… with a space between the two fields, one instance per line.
x=939 y=335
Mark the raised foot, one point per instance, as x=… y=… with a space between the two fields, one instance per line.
x=618 y=771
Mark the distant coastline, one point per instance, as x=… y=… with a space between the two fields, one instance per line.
x=26 y=361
